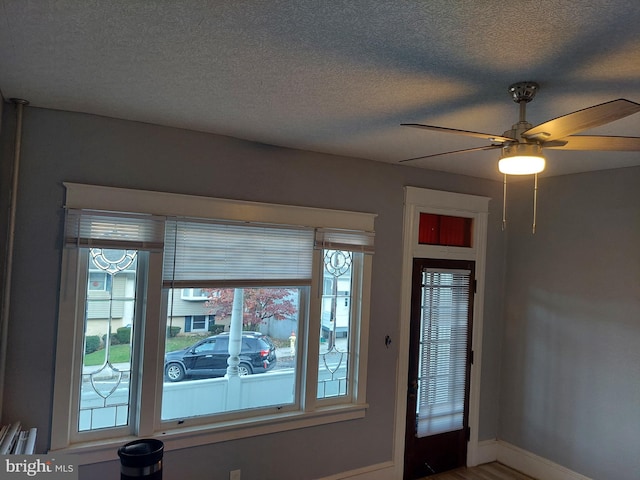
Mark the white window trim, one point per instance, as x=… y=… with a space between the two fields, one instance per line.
x=421 y=200
x=115 y=199
x=104 y=275
x=190 y=297
x=313 y=412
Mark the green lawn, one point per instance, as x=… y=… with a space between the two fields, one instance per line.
x=121 y=353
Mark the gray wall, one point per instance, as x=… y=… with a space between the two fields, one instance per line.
x=60 y=146
x=570 y=385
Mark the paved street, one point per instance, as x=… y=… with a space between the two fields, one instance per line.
x=109 y=385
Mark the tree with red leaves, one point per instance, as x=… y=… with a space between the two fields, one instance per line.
x=260 y=304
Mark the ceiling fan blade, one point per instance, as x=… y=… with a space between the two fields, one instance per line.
x=584 y=119
x=595 y=142
x=485 y=136
x=466 y=150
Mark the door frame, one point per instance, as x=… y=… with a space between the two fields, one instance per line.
x=421 y=200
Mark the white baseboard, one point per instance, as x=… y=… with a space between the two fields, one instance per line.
x=487 y=451
x=380 y=471
x=533 y=465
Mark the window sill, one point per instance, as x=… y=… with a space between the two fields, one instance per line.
x=176 y=439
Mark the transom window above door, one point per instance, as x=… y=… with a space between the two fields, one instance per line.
x=445 y=230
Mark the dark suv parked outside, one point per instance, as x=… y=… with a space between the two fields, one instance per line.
x=208 y=357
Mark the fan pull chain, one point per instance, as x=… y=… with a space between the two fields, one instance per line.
x=535 y=201
x=504 y=203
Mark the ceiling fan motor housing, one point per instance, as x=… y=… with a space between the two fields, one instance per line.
x=516 y=149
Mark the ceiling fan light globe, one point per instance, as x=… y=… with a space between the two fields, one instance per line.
x=521 y=159
x=521 y=165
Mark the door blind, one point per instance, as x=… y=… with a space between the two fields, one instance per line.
x=443 y=351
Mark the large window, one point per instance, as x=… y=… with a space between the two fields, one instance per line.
x=235 y=323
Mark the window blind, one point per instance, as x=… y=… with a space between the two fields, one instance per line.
x=443 y=351
x=341 y=239
x=101 y=229
x=201 y=252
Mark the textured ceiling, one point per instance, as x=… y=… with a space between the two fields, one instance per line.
x=331 y=76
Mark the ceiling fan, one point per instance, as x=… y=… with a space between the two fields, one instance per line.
x=525 y=140
x=521 y=147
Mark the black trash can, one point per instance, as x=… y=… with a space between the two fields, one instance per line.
x=141 y=460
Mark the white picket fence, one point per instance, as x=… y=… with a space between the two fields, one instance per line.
x=215 y=395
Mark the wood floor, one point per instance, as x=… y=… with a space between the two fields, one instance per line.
x=488 y=471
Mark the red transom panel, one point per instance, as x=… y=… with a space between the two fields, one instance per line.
x=444 y=230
